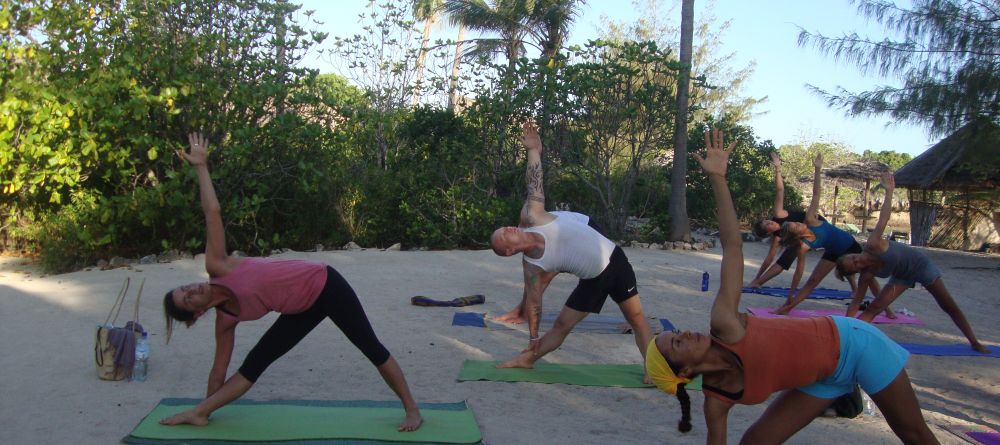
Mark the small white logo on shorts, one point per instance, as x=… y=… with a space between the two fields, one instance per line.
x=631 y=289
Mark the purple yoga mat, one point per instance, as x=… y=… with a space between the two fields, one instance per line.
x=985 y=438
x=766 y=312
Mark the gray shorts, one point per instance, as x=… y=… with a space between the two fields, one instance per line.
x=927 y=276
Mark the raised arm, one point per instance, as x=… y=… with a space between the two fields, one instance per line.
x=779 y=187
x=725 y=320
x=215 y=236
x=889 y=184
x=533 y=212
x=817 y=191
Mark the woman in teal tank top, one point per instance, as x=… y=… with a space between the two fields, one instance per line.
x=815 y=234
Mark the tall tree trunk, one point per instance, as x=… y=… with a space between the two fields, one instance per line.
x=281 y=31
x=453 y=82
x=680 y=227
x=421 y=58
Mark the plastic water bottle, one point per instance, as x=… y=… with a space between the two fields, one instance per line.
x=141 y=359
x=704 y=282
x=868 y=404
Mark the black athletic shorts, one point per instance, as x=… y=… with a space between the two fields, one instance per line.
x=833 y=256
x=617 y=280
x=788 y=256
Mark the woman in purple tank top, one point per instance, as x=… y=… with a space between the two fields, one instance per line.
x=246 y=289
x=904 y=266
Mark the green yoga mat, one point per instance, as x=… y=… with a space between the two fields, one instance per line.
x=309 y=422
x=620 y=376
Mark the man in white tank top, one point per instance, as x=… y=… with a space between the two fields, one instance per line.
x=556 y=242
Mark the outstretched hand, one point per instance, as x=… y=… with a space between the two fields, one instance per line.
x=888 y=182
x=818 y=161
x=197 y=154
x=530 y=138
x=716 y=157
x=775 y=160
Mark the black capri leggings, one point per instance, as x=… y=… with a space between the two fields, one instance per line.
x=337 y=301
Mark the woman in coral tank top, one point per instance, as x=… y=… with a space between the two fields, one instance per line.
x=746 y=359
x=243 y=289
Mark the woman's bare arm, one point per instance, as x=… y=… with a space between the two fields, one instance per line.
x=811 y=218
x=725 y=320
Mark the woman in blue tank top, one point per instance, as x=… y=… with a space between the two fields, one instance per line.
x=904 y=266
x=814 y=234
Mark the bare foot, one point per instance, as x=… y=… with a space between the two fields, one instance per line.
x=852 y=311
x=890 y=313
x=646 y=380
x=524 y=360
x=189 y=417
x=783 y=310
x=411 y=422
x=981 y=349
x=754 y=285
x=513 y=317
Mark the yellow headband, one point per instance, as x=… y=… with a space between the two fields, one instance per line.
x=659 y=371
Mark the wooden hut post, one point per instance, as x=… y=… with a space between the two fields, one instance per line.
x=864 y=216
x=836 y=191
x=966 y=242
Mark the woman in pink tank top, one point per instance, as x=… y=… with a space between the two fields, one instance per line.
x=745 y=359
x=243 y=289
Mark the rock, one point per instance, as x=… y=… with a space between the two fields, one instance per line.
x=276 y=252
x=679 y=244
x=185 y=255
x=698 y=246
x=351 y=245
x=749 y=236
x=118 y=262
x=396 y=246
x=238 y=253
x=319 y=247
x=148 y=259
x=655 y=246
x=101 y=264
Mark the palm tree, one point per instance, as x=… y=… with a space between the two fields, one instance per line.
x=508 y=18
x=680 y=227
x=453 y=82
x=426 y=11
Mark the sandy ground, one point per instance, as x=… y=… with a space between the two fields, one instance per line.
x=50 y=393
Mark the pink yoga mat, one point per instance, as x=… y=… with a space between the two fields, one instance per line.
x=767 y=312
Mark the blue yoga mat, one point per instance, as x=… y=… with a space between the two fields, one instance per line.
x=478 y=320
x=820 y=293
x=953 y=350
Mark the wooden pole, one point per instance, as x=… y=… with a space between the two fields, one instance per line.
x=864 y=205
x=836 y=192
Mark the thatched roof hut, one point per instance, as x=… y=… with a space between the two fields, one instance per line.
x=966 y=161
x=866 y=170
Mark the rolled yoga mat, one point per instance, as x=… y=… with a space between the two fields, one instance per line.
x=594 y=323
x=309 y=422
x=619 y=376
x=766 y=312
